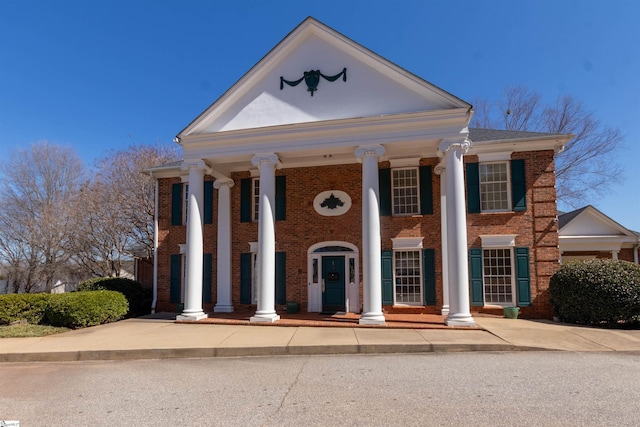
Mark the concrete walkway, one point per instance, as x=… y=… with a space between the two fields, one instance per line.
x=164 y=338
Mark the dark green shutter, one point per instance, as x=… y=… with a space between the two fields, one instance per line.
x=281 y=278
x=208 y=202
x=175 y=278
x=245 y=278
x=518 y=185
x=387 y=277
x=475 y=276
x=429 y=276
x=426 y=191
x=473 y=188
x=281 y=198
x=523 y=280
x=206 y=278
x=245 y=200
x=384 y=191
x=176 y=204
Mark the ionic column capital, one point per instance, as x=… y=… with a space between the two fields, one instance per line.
x=261 y=159
x=197 y=164
x=370 y=150
x=456 y=144
x=227 y=182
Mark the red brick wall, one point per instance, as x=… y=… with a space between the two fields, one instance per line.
x=303 y=227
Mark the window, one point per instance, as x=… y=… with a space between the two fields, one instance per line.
x=185 y=203
x=255 y=198
x=407 y=277
x=498 y=276
x=406 y=200
x=183 y=276
x=254 y=277
x=494 y=187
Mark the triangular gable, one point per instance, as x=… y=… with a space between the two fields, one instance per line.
x=373 y=86
x=591 y=222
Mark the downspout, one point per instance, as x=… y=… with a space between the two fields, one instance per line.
x=635 y=253
x=155 y=247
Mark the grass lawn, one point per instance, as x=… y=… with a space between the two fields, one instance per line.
x=27 y=330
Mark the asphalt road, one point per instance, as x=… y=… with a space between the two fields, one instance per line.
x=492 y=389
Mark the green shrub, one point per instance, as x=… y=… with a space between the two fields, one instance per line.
x=132 y=290
x=29 y=307
x=597 y=291
x=81 y=309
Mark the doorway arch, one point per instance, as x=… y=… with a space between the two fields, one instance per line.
x=338 y=289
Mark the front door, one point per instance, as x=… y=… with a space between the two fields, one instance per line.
x=333 y=282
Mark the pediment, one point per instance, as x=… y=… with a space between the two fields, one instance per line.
x=592 y=222
x=373 y=87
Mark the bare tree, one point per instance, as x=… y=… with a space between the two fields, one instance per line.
x=36 y=220
x=119 y=209
x=587 y=166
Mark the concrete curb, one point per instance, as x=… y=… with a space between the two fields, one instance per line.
x=186 y=353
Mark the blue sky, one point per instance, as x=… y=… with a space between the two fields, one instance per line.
x=104 y=74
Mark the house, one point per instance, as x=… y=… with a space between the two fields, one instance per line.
x=587 y=233
x=331 y=177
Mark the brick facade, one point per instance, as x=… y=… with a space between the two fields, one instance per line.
x=536 y=228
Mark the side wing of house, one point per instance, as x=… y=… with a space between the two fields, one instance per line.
x=588 y=233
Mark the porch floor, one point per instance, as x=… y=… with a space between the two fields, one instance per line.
x=339 y=320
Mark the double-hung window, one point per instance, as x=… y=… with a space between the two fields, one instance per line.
x=250 y=199
x=498 y=276
x=495 y=192
x=408 y=277
x=255 y=199
x=405 y=189
x=185 y=203
x=496 y=185
x=499 y=272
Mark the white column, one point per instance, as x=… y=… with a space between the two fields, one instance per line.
x=371 y=252
x=443 y=238
x=224 y=304
x=193 y=290
x=459 y=308
x=614 y=254
x=266 y=311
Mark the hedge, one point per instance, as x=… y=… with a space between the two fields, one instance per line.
x=132 y=290
x=29 y=307
x=81 y=309
x=597 y=291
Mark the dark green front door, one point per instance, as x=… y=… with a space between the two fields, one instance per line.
x=333 y=283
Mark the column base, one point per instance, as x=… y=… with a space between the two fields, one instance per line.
x=445 y=310
x=192 y=316
x=264 y=318
x=372 y=319
x=460 y=320
x=221 y=308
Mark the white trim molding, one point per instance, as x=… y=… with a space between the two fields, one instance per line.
x=498 y=240
x=407 y=242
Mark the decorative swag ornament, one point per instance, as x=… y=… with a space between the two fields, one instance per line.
x=312 y=78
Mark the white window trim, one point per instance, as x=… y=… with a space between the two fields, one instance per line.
x=255 y=200
x=253 y=249
x=185 y=202
x=504 y=156
x=498 y=240
x=393 y=204
x=513 y=278
x=406 y=243
x=420 y=301
x=404 y=163
x=509 y=207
